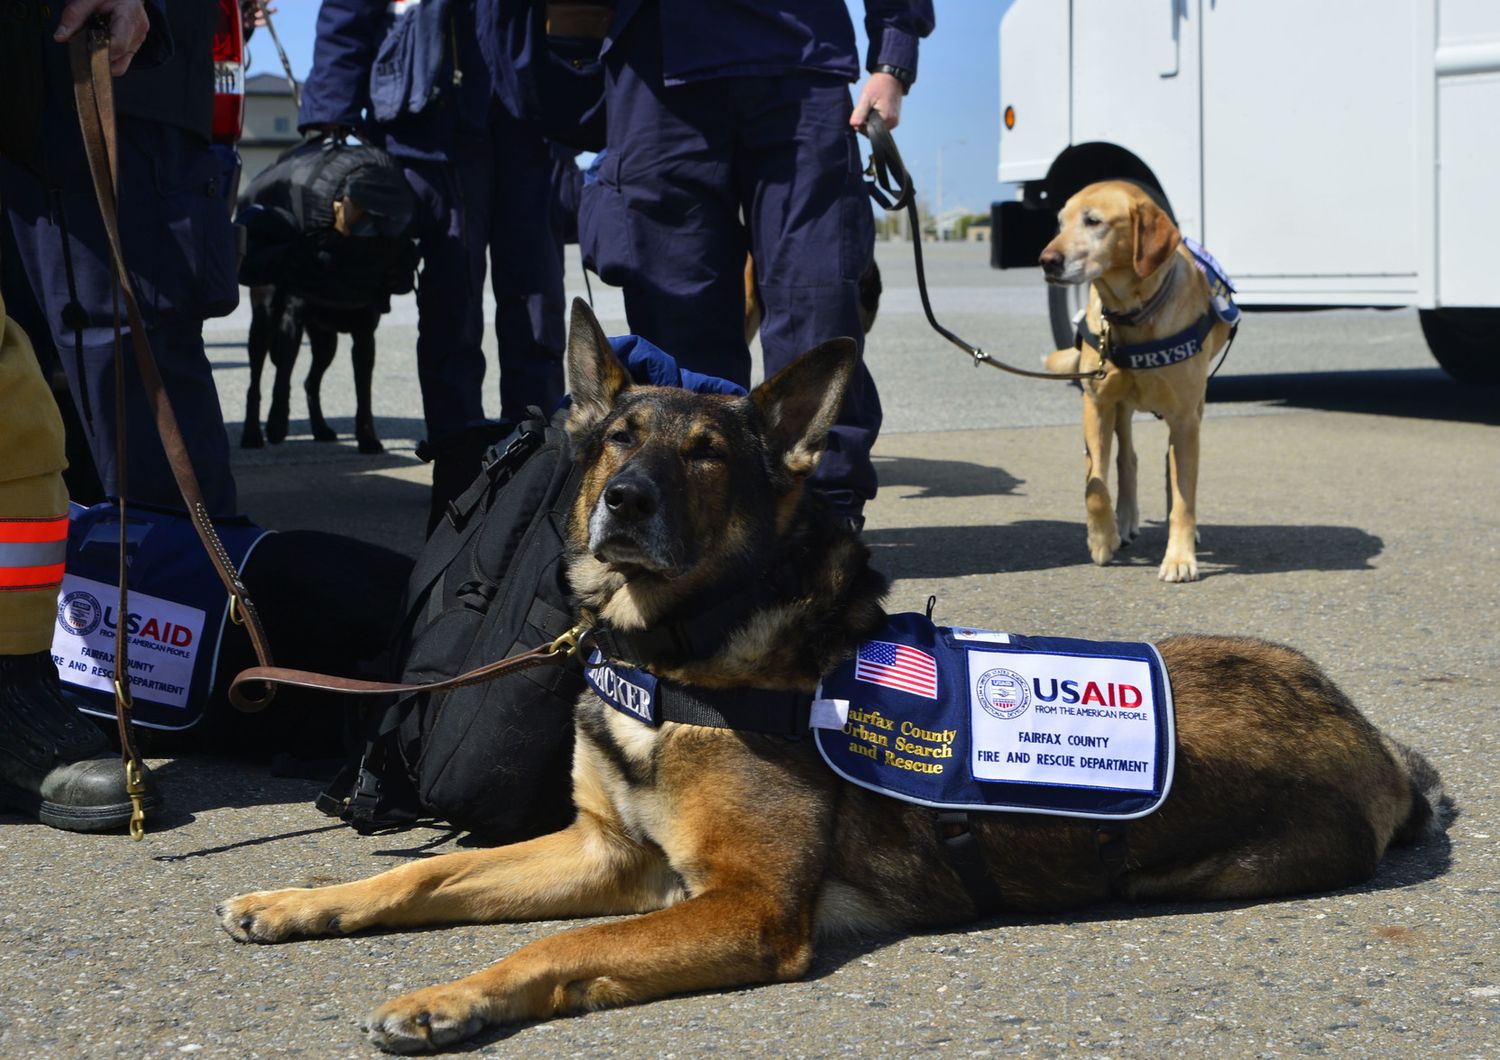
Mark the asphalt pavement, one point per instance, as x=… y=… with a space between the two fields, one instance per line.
x=1349 y=505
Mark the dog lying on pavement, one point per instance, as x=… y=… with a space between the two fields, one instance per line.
x=701 y=561
x=278 y=320
x=1150 y=305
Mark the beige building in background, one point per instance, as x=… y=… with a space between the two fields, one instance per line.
x=270 y=123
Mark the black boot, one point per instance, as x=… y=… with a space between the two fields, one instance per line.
x=54 y=764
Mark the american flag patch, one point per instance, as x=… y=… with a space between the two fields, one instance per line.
x=880 y=662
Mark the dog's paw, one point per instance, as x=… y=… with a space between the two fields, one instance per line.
x=277 y=423
x=321 y=432
x=251 y=438
x=1179 y=569
x=428 y=1019
x=1103 y=544
x=369 y=444
x=1128 y=525
x=274 y=916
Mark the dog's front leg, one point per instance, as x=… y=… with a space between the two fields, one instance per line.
x=715 y=940
x=588 y=869
x=286 y=342
x=325 y=344
x=257 y=343
x=1099 y=420
x=1181 y=561
x=362 y=357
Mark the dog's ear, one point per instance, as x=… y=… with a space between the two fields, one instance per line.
x=1156 y=237
x=799 y=403
x=595 y=374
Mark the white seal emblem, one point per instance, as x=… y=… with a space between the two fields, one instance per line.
x=79 y=613
x=1002 y=693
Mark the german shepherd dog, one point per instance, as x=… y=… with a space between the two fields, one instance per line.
x=727 y=853
x=278 y=320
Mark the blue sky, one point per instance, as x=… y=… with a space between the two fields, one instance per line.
x=954 y=108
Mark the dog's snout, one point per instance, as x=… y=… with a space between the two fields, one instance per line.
x=1051 y=260
x=630 y=498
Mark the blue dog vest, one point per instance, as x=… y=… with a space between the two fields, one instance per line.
x=1187 y=343
x=1220 y=290
x=178 y=611
x=966 y=719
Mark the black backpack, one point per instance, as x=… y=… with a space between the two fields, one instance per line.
x=492 y=758
x=290 y=235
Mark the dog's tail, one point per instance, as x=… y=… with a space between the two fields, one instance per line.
x=1431 y=808
x=1063 y=362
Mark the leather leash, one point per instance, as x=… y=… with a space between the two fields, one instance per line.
x=93 y=92
x=557 y=652
x=890 y=185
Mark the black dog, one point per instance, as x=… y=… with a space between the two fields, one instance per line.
x=278 y=320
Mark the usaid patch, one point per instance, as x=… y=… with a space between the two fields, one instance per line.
x=1042 y=718
x=628 y=690
x=1044 y=725
x=164 y=641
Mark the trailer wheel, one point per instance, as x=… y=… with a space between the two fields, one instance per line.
x=1466 y=342
x=1063 y=304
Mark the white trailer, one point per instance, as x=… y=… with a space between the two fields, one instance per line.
x=1331 y=153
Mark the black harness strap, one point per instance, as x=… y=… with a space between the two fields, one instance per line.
x=961 y=850
x=746 y=709
x=1114 y=848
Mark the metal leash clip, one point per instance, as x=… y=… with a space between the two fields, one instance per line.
x=135 y=783
x=135 y=787
x=570 y=642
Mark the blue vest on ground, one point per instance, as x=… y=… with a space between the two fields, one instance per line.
x=969 y=719
x=178 y=610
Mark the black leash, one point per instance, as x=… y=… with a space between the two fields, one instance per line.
x=286 y=64
x=890 y=185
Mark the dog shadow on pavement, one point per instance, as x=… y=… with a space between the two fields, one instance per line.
x=1045 y=544
x=944 y=478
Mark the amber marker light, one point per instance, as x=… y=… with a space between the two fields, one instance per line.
x=1010 y=117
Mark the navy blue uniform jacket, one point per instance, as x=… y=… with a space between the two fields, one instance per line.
x=702 y=39
x=412 y=67
x=388 y=62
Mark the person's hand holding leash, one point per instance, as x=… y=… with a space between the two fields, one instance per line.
x=128 y=26
x=882 y=92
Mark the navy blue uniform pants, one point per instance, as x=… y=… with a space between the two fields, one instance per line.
x=494 y=193
x=695 y=176
x=179 y=245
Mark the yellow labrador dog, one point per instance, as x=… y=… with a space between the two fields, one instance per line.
x=1150 y=325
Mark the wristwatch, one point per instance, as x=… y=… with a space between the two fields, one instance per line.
x=900 y=73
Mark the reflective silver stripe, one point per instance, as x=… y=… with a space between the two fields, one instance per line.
x=33 y=554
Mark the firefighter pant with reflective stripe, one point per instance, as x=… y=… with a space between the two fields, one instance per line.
x=33 y=500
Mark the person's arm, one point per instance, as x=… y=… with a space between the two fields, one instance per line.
x=337 y=89
x=894 y=28
x=134 y=25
